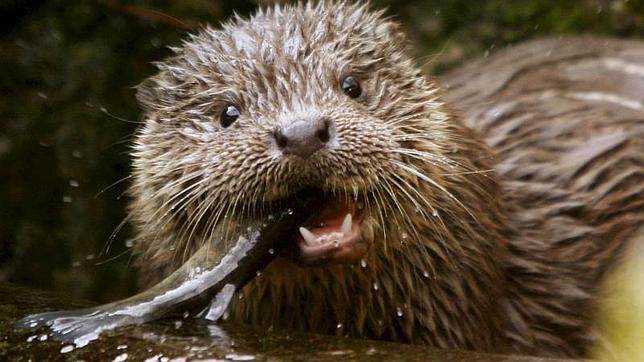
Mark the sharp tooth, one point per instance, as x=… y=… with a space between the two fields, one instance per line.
x=308 y=236
x=346 y=225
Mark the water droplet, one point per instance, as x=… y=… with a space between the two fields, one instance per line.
x=399 y=312
x=270 y=217
x=178 y=324
x=339 y=326
x=121 y=346
x=31 y=338
x=425 y=274
x=67 y=199
x=186 y=315
x=67 y=349
x=43 y=337
x=271 y=251
x=363 y=263
x=258 y=273
x=375 y=286
x=239 y=357
x=120 y=358
x=289 y=211
x=129 y=243
x=241 y=296
x=73 y=183
x=434 y=212
x=404 y=235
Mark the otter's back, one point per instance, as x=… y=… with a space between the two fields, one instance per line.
x=566 y=118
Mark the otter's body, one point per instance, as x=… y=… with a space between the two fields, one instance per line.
x=488 y=231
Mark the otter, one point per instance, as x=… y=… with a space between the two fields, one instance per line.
x=485 y=229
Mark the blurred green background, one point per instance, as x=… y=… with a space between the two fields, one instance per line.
x=67 y=109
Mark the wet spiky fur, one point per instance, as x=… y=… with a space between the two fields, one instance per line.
x=461 y=257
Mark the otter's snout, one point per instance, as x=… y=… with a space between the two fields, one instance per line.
x=303 y=137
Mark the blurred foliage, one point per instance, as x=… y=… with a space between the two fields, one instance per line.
x=67 y=109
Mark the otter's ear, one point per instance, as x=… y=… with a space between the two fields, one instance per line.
x=392 y=34
x=147 y=93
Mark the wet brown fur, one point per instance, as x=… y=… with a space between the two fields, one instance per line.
x=489 y=231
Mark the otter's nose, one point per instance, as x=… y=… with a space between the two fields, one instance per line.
x=303 y=137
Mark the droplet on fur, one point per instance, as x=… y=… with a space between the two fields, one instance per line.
x=399 y=312
x=434 y=212
x=363 y=263
x=67 y=349
x=289 y=211
x=425 y=274
x=339 y=326
x=404 y=235
x=271 y=251
x=258 y=273
x=375 y=286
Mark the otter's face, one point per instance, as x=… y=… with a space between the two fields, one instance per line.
x=288 y=101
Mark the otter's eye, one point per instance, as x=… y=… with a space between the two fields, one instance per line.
x=351 y=87
x=229 y=115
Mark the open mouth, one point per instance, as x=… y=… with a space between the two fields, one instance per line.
x=332 y=235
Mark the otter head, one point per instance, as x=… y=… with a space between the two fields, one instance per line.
x=317 y=98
